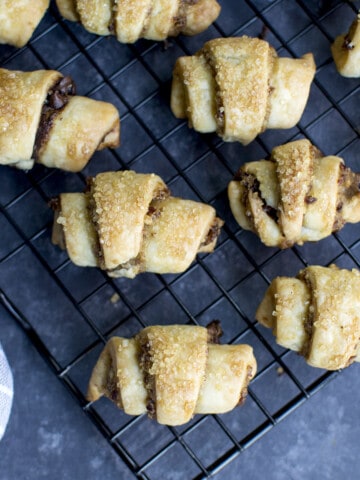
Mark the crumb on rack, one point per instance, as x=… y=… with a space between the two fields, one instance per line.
x=114 y=298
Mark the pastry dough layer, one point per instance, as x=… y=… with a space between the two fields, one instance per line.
x=176 y=362
x=117 y=375
x=121 y=201
x=19 y=18
x=83 y=127
x=95 y=16
x=176 y=234
x=79 y=233
x=346 y=51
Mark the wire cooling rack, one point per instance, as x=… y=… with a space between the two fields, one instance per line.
x=69 y=312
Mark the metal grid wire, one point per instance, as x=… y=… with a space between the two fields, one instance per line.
x=70 y=312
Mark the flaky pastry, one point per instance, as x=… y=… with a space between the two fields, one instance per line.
x=130 y=20
x=298 y=195
x=346 y=51
x=127 y=223
x=238 y=87
x=43 y=120
x=173 y=372
x=19 y=18
x=316 y=314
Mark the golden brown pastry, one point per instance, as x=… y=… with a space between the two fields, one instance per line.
x=316 y=314
x=130 y=20
x=19 y=18
x=298 y=195
x=239 y=87
x=43 y=120
x=126 y=223
x=346 y=51
x=173 y=372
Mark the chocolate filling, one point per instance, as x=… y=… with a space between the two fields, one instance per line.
x=180 y=20
x=112 y=391
x=54 y=204
x=214 y=331
x=252 y=184
x=309 y=199
x=271 y=211
x=347 y=44
x=58 y=235
x=348 y=187
x=57 y=98
x=213 y=233
x=310 y=317
x=145 y=365
x=264 y=32
x=348 y=39
x=220 y=110
x=244 y=391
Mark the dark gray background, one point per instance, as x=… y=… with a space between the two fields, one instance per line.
x=68 y=310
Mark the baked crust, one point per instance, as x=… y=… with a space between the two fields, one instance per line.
x=296 y=196
x=316 y=314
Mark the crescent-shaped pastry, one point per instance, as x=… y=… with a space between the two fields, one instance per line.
x=346 y=51
x=298 y=195
x=316 y=314
x=43 y=120
x=127 y=223
x=173 y=372
x=239 y=87
x=19 y=18
x=130 y=20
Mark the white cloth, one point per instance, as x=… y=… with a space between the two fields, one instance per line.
x=6 y=391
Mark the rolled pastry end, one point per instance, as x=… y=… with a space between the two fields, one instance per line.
x=118 y=377
x=229 y=370
x=18 y=20
x=82 y=127
x=290 y=86
x=200 y=16
x=346 y=51
x=67 y=9
x=193 y=93
x=73 y=230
